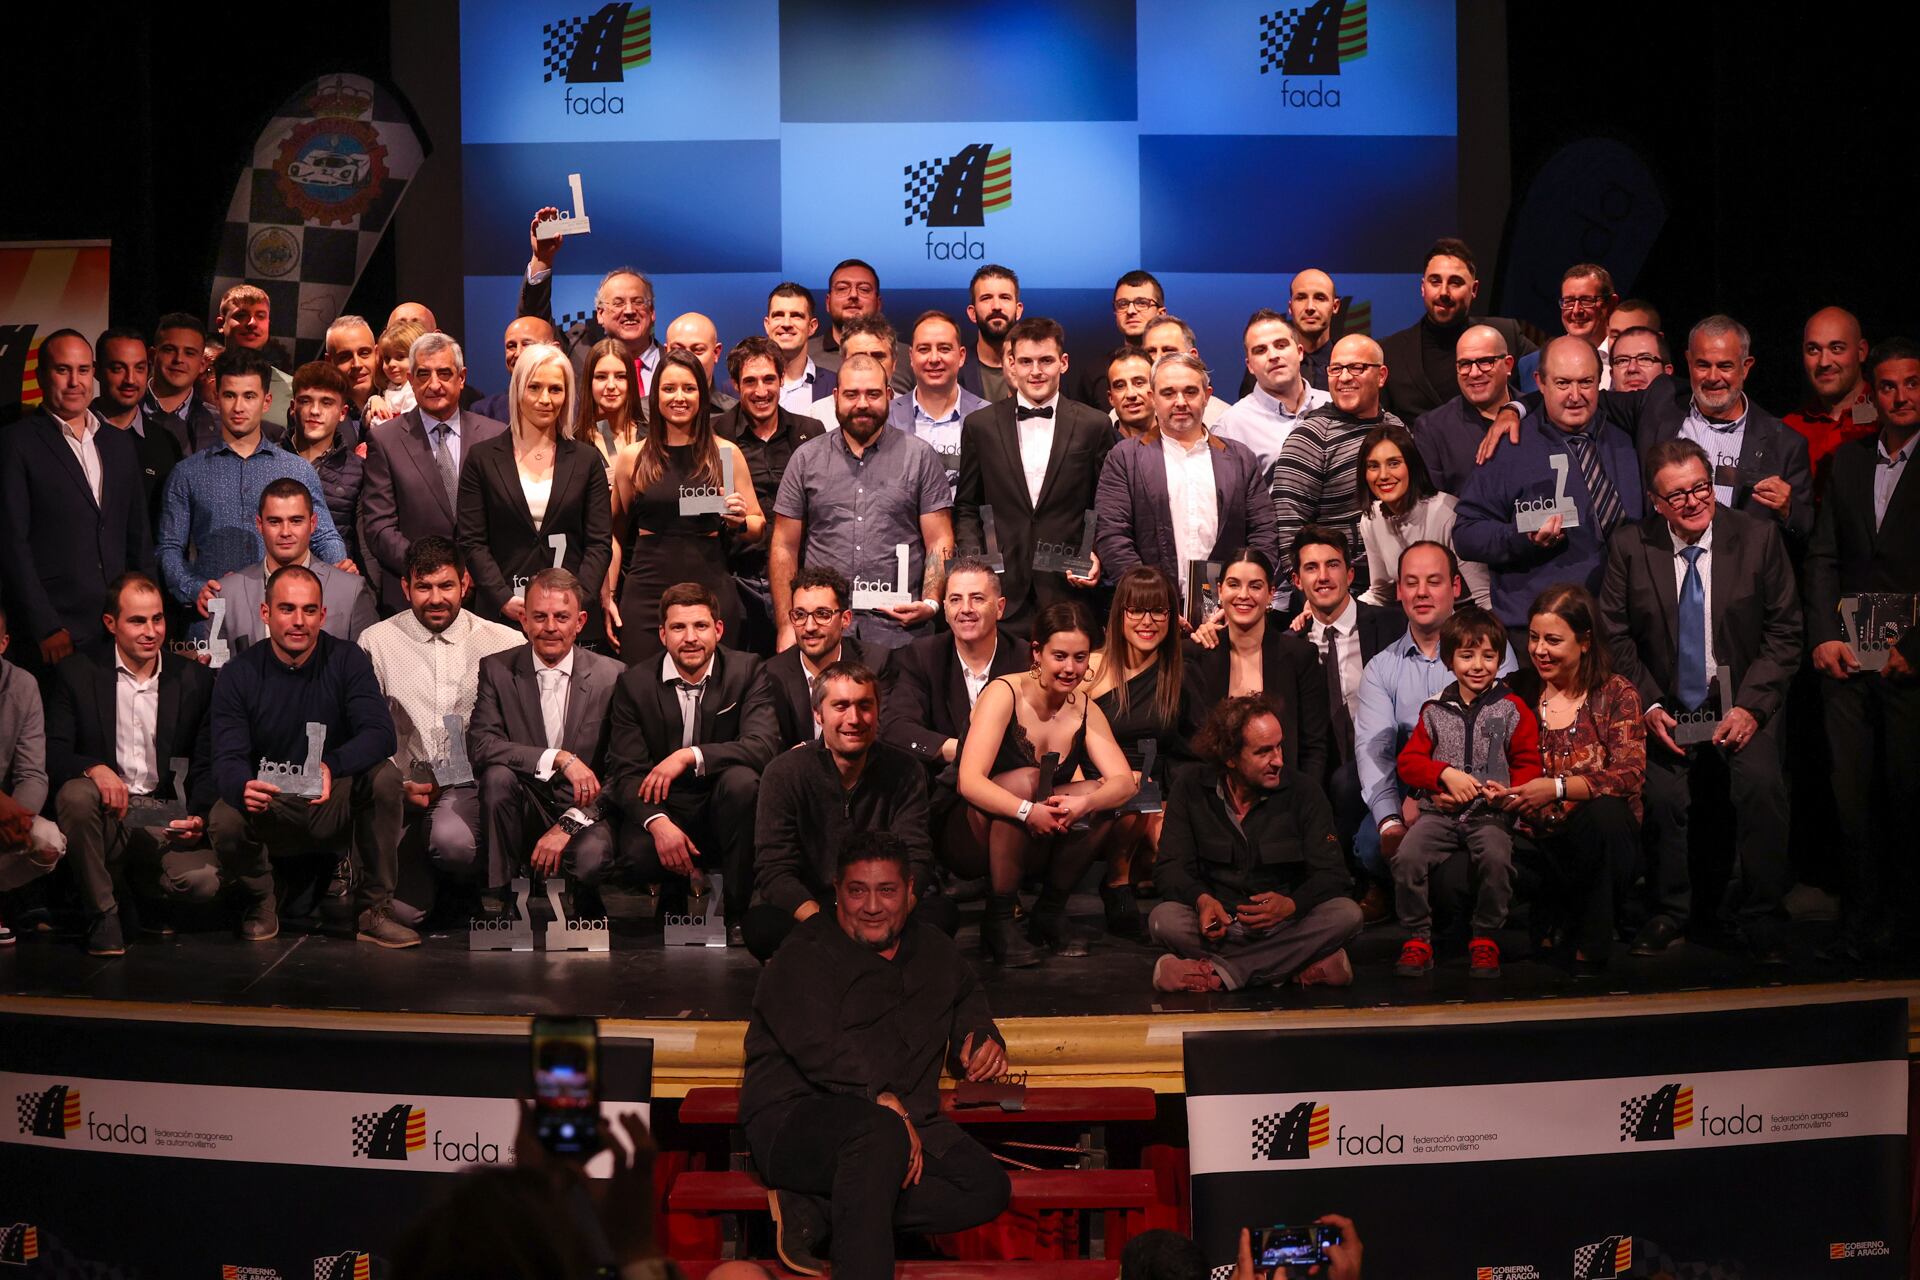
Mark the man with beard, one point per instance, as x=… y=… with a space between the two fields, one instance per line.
x=868 y=335
x=121 y=369
x=1315 y=480
x=851 y=498
x=993 y=304
x=1280 y=394
x=820 y=617
x=1138 y=301
x=790 y=323
x=622 y=308
x=852 y=1022
x=1450 y=435
x=177 y=359
x=853 y=291
x=1838 y=407
x=1420 y=357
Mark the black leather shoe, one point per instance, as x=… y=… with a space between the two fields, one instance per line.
x=798 y=1228
x=1003 y=941
x=1655 y=937
x=1123 y=911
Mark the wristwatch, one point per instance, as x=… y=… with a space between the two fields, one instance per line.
x=570 y=824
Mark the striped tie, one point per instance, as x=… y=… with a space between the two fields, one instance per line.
x=1607 y=511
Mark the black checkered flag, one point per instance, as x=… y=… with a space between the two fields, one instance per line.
x=1265 y=1129
x=365 y=1127
x=25 y=1105
x=1276 y=34
x=923 y=180
x=1222 y=1272
x=1632 y=1111
x=565 y=321
x=557 y=41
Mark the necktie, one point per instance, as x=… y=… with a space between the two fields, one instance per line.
x=1690 y=680
x=1021 y=412
x=689 y=710
x=553 y=704
x=1336 y=700
x=443 y=459
x=1607 y=511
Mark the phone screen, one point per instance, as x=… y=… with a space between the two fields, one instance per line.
x=1284 y=1246
x=566 y=1084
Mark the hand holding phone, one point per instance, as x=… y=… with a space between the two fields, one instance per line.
x=566 y=1086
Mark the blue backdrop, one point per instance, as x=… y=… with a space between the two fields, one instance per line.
x=729 y=144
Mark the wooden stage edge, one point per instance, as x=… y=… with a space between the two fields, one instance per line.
x=1141 y=1049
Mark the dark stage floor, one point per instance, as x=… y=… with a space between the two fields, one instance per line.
x=641 y=978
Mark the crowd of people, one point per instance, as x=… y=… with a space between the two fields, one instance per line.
x=1438 y=626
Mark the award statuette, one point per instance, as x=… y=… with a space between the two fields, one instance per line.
x=558 y=542
x=1063 y=557
x=576 y=225
x=1874 y=622
x=1700 y=724
x=1531 y=513
x=704 y=499
x=1147 y=799
x=990 y=537
x=217 y=650
x=518 y=932
x=297 y=779
x=1202 y=590
x=870 y=594
x=156 y=811
x=453 y=769
x=704 y=924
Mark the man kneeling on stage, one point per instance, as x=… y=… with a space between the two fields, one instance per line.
x=852 y=1021
x=1256 y=888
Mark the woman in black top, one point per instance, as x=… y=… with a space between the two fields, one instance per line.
x=659 y=546
x=1140 y=681
x=529 y=485
x=610 y=410
x=1008 y=825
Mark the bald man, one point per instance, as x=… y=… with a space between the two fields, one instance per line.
x=1316 y=479
x=522 y=333
x=1313 y=303
x=696 y=335
x=1566 y=449
x=418 y=312
x=1450 y=435
x=1837 y=408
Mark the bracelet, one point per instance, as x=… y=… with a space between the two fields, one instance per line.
x=1560 y=787
x=1026 y=807
x=931 y=604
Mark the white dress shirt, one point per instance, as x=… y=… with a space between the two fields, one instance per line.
x=1191 y=500
x=797 y=396
x=689 y=692
x=1706 y=586
x=1262 y=423
x=1722 y=441
x=1346 y=644
x=537 y=492
x=136 y=726
x=428 y=675
x=1036 y=442
x=86 y=450
x=976 y=681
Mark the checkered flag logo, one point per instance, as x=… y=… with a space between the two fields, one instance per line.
x=557 y=42
x=1294 y=1134
x=1603 y=1261
x=1222 y=1272
x=390 y=1134
x=342 y=1266
x=961 y=189
x=50 y=1113
x=19 y=1244
x=1314 y=41
x=567 y=319
x=1652 y=1117
x=599 y=49
x=922 y=178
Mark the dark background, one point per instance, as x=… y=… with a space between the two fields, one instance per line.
x=1782 y=141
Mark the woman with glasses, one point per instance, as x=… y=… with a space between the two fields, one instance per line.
x=1040 y=727
x=1255 y=652
x=677 y=463
x=610 y=412
x=1401 y=507
x=1140 y=681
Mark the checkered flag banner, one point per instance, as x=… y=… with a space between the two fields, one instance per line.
x=326 y=175
x=1276 y=33
x=565 y=321
x=1313 y=41
x=343 y=1266
x=921 y=181
x=1221 y=1272
x=1263 y=1131
x=557 y=42
x=1654 y=1116
x=48 y=1113
x=19 y=1243
x=1603 y=1261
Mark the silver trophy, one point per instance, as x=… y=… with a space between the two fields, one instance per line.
x=217 y=649
x=157 y=811
x=298 y=779
x=871 y=594
x=453 y=769
x=1147 y=798
x=501 y=933
x=704 y=499
x=558 y=542
x=578 y=933
x=1874 y=622
x=704 y=924
x=990 y=540
x=1529 y=514
x=1064 y=557
x=578 y=224
x=1203 y=590
x=1700 y=724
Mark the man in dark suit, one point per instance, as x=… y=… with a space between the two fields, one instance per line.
x=122 y=366
x=73 y=510
x=820 y=616
x=622 y=308
x=1035 y=460
x=1867 y=539
x=1693 y=589
x=119 y=715
x=413 y=465
x=1419 y=358
x=690 y=737
x=176 y=360
x=538 y=745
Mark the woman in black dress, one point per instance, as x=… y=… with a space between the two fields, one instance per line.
x=1140 y=681
x=679 y=456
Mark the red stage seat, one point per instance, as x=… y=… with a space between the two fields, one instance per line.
x=721 y=1105
x=1033 y=1192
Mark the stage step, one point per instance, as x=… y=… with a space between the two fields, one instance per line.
x=1059 y=1269
x=1033 y=1191
x=720 y=1105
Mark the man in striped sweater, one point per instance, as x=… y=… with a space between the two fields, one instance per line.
x=1316 y=480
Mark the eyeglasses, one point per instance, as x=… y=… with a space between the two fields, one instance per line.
x=1349 y=370
x=1645 y=360
x=627 y=304
x=821 y=616
x=1134 y=615
x=1702 y=492
x=1581 y=304
x=1478 y=364
x=1134 y=304
x=862 y=288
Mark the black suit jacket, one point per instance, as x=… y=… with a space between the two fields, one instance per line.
x=1292 y=678
x=157 y=451
x=791 y=701
x=507 y=726
x=1848 y=555
x=58 y=547
x=497 y=533
x=1768 y=448
x=401 y=497
x=738 y=725
x=82 y=729
x=991 y=474
x=1753 y=612
x=1409 y=392
x=926 y=698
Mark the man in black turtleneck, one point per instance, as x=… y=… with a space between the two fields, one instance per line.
x=1420 y=357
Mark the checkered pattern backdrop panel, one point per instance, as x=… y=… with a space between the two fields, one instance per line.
x=1264 y=1130
x=557 y=41
x=921 y=181
x=1276 y=33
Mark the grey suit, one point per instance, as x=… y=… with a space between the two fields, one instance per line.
x=506 y=738
x=345 y=596
x=1134 y=521
x=404 y=497
x=23 y=775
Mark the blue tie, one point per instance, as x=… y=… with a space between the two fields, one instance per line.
x=1691 y=679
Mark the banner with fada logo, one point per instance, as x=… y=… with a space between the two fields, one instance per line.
x=1746 y=1144
x=250 y=1152
x=45 y=286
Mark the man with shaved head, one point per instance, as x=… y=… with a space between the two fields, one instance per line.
x=1313 y=303
x=1422 y=355
x=1837 y=408
x=1566 y=450
x=696 y=335
x=418 y=312
x=521 y=334
x=1316 y=479
x=1450 y=435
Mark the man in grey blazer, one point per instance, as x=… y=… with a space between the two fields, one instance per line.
x=413 y=464
x=1223 y=503
x=29 y=844
x=286 y=528
x=538 y=745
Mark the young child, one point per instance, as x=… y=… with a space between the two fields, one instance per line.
x=1473 y=742
x=391 y=379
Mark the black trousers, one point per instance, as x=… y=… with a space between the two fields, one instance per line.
x=717 y=814
x=369 y=809
x=1585 y=868
x=512 y=803
x=1873 y=730
x=854 y=1154
x=767 y=926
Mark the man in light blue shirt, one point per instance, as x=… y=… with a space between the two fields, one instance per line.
x=937 y=405
x=1280 y=394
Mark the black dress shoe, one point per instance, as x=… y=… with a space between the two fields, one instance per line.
x=799 y=1226
x=1123 y=911
x=1655 y=937
x=1770 y=952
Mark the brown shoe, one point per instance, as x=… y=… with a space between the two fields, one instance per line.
x=383 y=930
x=1375 y=905
x=261 y=923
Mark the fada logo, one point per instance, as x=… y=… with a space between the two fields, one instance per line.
x=333 y=166
x=19 y=1244
x=1292 y=1135
x=51 y=1113
x=959 y=191
x=597 y=50
x=343 y=1266
x=1603 y=1261
x=1653 y=1117
x=392 y=1134
x=1318 y=40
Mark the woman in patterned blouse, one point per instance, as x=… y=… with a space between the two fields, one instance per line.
x=1584 y=810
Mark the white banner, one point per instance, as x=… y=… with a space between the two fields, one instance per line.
x=419 y=1132
x=1280 y=1133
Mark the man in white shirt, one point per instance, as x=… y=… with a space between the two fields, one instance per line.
x=1280 y=394
x=790 y=322
x=428 y=663
x=1170 y=335
x=937 y=405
